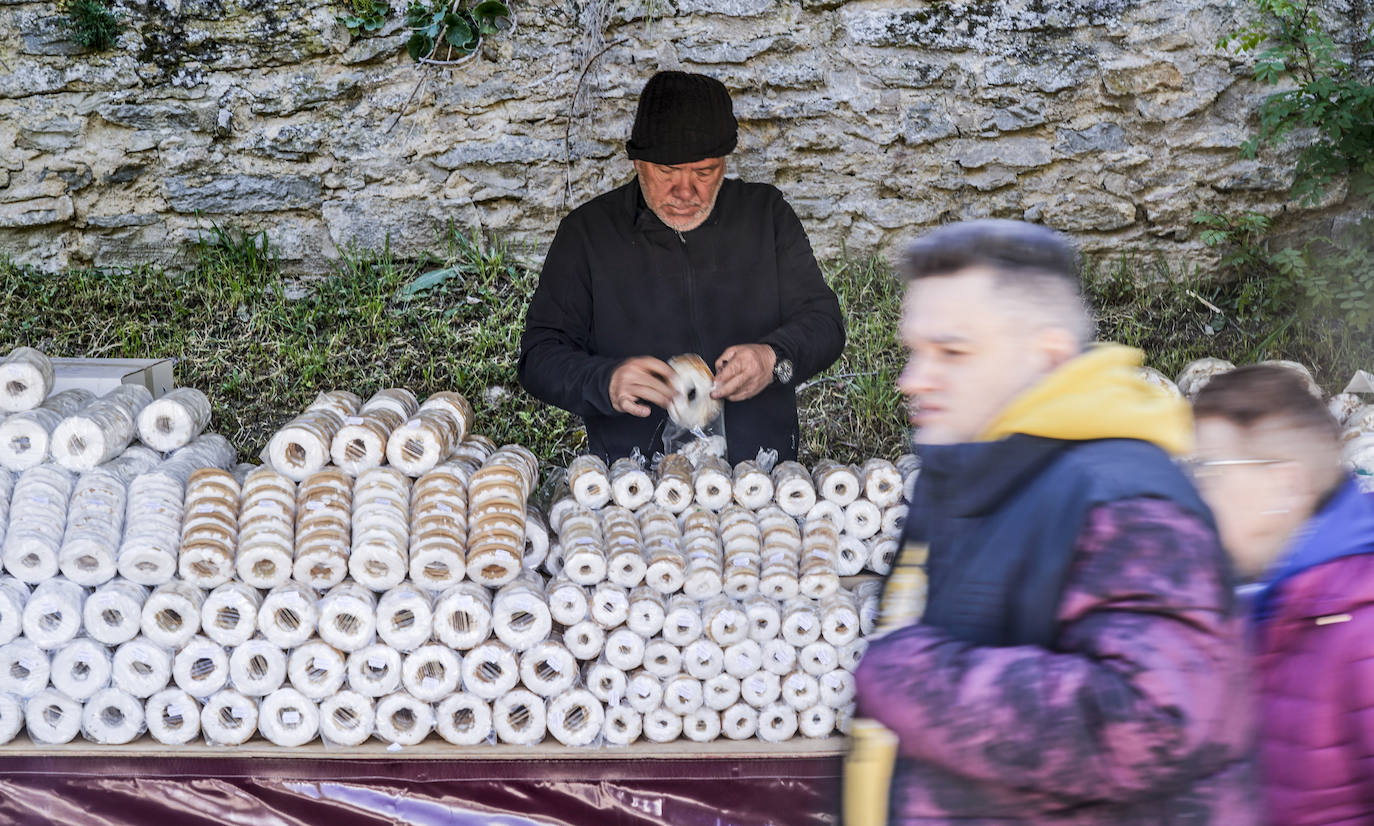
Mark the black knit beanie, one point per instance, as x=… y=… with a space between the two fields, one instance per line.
x=683 y=118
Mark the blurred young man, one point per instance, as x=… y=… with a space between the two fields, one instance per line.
x=1077 y=660
x=1268 y=462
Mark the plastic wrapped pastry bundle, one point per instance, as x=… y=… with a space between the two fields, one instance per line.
x=324 y=517
x=361 y=441
x=520 y=614
x=257 y=667
x=536 y=538
x=609 y=605
x=548 y=669
x=583 y=545
x=816 y=721
x=739 y=722
x=674 y=491
x=490 y=670
x=683 y=694
x=288 y=718
x=725 y=620
x=623 y=725
x=622 y=539
x=24 y=668
x=431 y=672
x=851 y=555
x=720 y=692
x=38 y=516
x=894 y=521
x=682 y=622
x=781 y=564
x=201 y=667
x=606 y=682
x=289 y=615
x=459 y=412
x=825 y=511
x=174 y=420
x=839 y=614
x=711 y=483
x=141 y=667
x=760 y=689
x=403 y=719
x=882 y=482
x=703 y=659
x=662 y=726
x=7 y=479
x=267 y=529
x=589 y=480
x=228 y=718
x=341 y=402
x=348 y=617
x=520 y=718
x=667 y=568
x=375 y=671
x=779 y=657
x=818 y=567
x=172 y=717
x=112 y=718
x=26 y=379
x=497 y=494
x=405 y=617
x=743 y=658
x=1196 y=374
x=26 y=438
x=702 y=725
x=381 y=529
x=647 y=611
x=644 y=692
x=801 y=625
x=13 y=595
x=209 y=529
x=438 y=528
x=52 y=717
x=229 y=615
x=751 y=487
x=463 y=616
x=302 y=446
x=631 y=486
x=705 y=563
x=818 y=657
x=882 y=553
x=862 y=519
x=347 y=718
x=586 y=640
x=837 y=688
x=777 y=723
x=152 y=534
x=662 y=658
x=99 y=431
x=52 y=615
x=81 y=668
x=575 y=717
x=800 y=690
x=464 y=719
x=624 y=649
x=1342 y=407
x=793 y=489
x=568 y=601
x=836 y=483
x=763 y=617
x=473 y=450
x=850 y=654
x=907 y=464
x=95 y=525
x=867 y=596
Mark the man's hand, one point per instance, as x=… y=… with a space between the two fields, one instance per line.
x=743 y=371
x=641 y=379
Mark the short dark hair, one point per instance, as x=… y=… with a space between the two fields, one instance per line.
x=1006 y=247
x=1250 y=395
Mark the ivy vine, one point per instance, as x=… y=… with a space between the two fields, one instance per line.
x=446 y=31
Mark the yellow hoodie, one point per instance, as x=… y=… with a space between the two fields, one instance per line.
x=1099 y=395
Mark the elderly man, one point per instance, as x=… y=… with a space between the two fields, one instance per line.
x=1076 y=658
x=680 y=260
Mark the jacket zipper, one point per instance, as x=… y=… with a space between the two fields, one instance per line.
x=691 y=297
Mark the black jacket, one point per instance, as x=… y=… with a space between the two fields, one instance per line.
x=619 y=283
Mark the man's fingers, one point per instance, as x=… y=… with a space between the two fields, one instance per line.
x=635 y=409
x=651 y=391
x=726 y=357
x=726 y=389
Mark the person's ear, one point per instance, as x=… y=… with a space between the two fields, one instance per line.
x=1056 y=345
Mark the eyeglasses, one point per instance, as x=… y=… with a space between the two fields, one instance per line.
x=1201 y=469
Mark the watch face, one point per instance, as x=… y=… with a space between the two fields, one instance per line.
x=783 y=371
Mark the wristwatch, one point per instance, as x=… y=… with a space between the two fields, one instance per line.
x=782 y=366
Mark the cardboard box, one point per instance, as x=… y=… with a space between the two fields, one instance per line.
x=100 y=376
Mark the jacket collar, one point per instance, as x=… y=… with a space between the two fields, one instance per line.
x=973 y=478
x=1343 y=527
x=646 y=221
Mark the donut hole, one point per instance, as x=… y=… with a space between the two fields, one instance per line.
x=347 y=623
x=577 y=717
x=520 y=717
x=53 y=715
x=50 y=621
x=317 y=670
x=346 y=718
x=490 y=671
x=403 y=619
x=227 y=617
x=76 y=445
x=356 y=450
x=430 y=670
x=170 y=620
x=413 y=450
x=295 y=455
x=464 y=719
x=204 y=568
x=546 y=670
x=86 y=562
x=81 y=671
x=16 y=387
x=376 y=568
x=31 y=560
x=228 y=718
x=112 y=716
x=20 y=445
x=287 y=619
x=403 y=719
x=112 y=617
x=202 y=668
x=461 y=622
x=19 y=671
x=171 y=720
x=521 y=620
x=257 y=667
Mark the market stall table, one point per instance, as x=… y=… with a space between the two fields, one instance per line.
x=144 y=782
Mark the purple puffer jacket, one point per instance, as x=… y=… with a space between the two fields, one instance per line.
x=1316 y=678
x=1139 y=713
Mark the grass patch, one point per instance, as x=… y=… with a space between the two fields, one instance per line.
x=262 y=345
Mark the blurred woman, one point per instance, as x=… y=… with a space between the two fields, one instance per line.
x=1297 y=526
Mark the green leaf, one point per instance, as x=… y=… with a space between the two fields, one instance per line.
x=492 y=16
x=419 y=45
x=461 y=35
x=429 y=280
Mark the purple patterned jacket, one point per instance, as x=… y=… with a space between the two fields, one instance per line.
x=1138 y=713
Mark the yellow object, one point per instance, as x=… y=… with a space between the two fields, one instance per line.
x=1098 y=395
x=868 y=773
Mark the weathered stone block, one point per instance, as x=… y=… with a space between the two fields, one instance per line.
x=1013 y=152
x=733 y=8
x=193 y=116
x=1087 y=212
x=36 y=212
x=54 y=134
x=242 y=193
x=1100 y=137
x=1138 y=76
x=926 y=122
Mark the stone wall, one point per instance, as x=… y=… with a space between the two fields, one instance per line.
x=1112 y=119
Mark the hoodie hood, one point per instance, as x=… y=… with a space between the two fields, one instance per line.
x=1098 y=395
